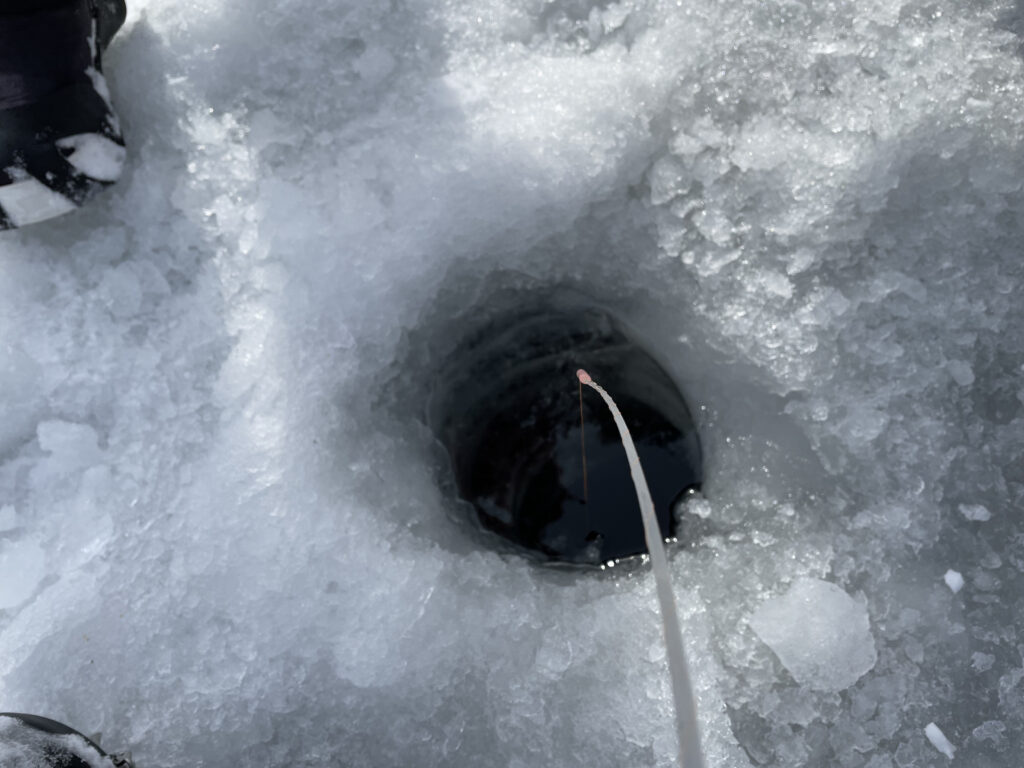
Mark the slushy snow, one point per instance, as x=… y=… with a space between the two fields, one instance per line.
x=821 y=635
x=233 y=538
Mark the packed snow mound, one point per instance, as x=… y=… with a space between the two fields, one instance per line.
x=227 y=536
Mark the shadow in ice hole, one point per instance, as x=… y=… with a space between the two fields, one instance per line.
x=506 y=407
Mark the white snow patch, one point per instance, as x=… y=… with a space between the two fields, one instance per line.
x=29 y=201
x=94 y=155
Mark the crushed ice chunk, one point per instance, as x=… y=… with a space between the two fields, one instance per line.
x=894 y=517
x=776 y=284
x=954 y=580
x=120 y=291
x=800 y=260
x=554 y=655
x=1011 y=692
x=819 y=632
x=700 y=507
x=976 y=512
x=990 y=730
x=666 y=179
x=20 y=375
x=914 y=650
x=716 y=227
x=939 y=740
x=991 y=561
x=961 y=372
x=864 y=423
x=982 y=662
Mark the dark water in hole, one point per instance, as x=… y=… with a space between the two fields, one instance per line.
x=506 y=407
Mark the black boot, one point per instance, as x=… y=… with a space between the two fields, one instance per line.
x=60 y=141
x=31 y=740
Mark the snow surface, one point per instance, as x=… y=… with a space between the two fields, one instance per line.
x=236 y=547
x=820 y=634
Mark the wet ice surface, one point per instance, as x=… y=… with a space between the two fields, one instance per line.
x=231 y=544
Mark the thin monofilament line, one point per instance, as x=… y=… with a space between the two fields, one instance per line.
x=583 y=449
x=682 y=691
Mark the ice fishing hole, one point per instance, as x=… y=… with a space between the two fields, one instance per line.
x=505 y=406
